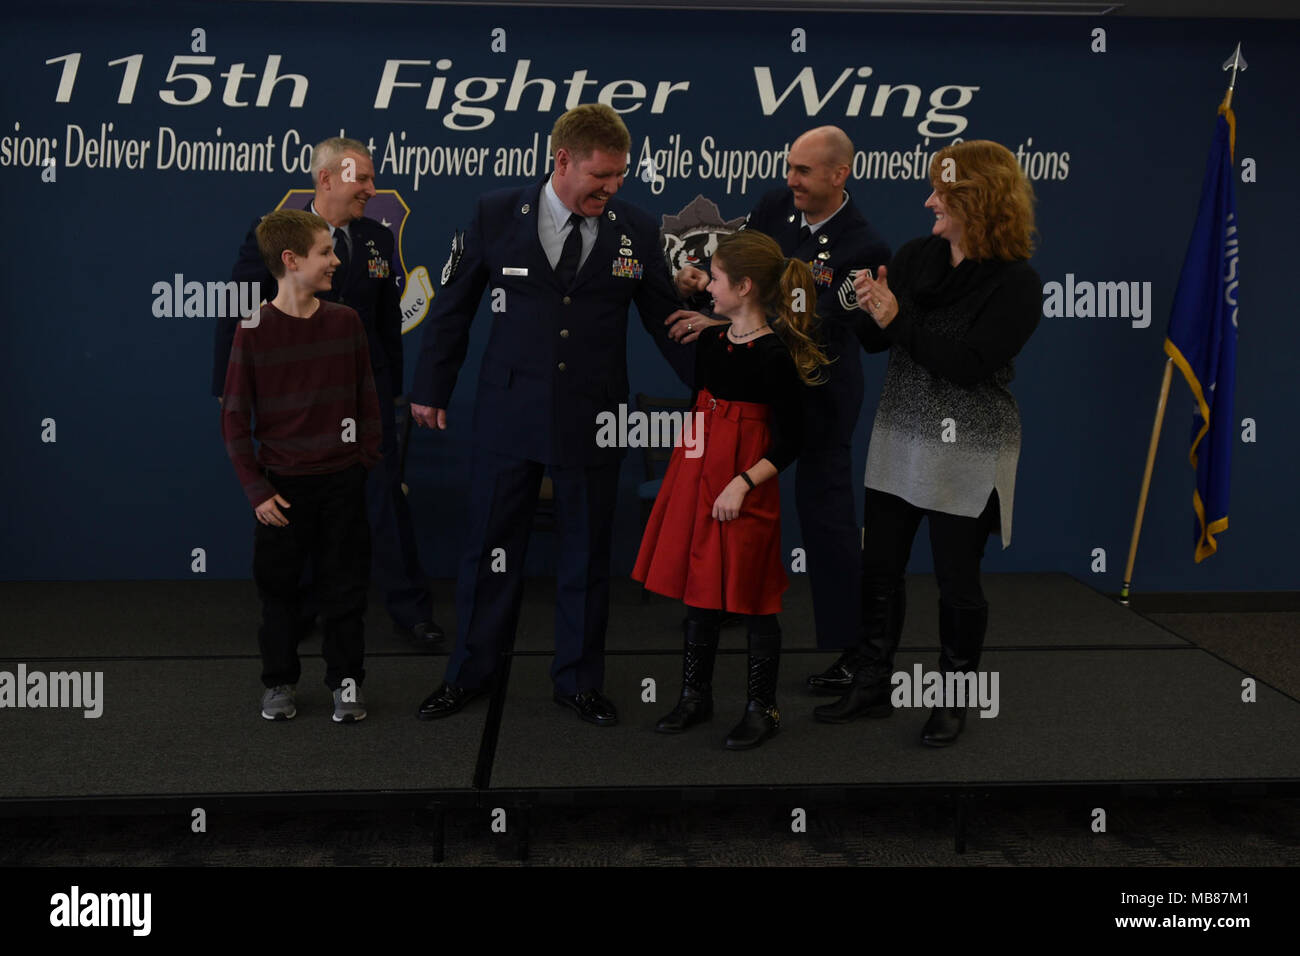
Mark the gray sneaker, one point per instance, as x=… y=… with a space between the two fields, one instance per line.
x=347 y=712
x=278 y=703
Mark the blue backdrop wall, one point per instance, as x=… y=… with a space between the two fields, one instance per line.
x=1115 y=141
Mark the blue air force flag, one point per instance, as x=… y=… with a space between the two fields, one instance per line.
x=1202 y=337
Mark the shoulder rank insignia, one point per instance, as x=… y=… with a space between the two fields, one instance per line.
x=453 y=260
x=847 y=295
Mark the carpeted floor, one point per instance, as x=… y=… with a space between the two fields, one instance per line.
x=1241 y=831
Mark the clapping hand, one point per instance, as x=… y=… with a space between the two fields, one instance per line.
x=874 y=297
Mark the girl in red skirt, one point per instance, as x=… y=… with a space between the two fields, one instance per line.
x=714 y=537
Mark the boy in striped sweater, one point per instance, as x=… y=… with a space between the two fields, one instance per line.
x=299 y=383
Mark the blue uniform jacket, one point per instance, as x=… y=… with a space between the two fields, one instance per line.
x=556 y=358
x=847 y=240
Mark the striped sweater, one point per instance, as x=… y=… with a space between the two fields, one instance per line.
x=304 y=390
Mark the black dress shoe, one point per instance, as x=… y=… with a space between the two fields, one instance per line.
x=446 y=700
x=425 y=635
x=837 y=678
x=868 y=696
x=591 y=706
x=944 y=726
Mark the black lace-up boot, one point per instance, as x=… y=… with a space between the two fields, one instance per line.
x=761 y=718
x=696 y=703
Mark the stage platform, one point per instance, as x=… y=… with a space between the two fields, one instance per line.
x=1093 y=700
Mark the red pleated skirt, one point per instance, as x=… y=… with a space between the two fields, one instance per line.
x=689 y=555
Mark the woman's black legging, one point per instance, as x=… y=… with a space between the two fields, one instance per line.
x=957 y=544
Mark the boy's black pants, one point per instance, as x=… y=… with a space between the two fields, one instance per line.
x=327 y=524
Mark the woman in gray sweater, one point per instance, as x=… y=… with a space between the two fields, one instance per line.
x=953 y=308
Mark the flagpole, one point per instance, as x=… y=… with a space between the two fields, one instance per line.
x=1234 y=62
x=1146 y=480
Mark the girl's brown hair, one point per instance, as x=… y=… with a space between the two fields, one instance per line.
x=786 y=293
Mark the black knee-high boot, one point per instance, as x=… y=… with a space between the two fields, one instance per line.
x=961 y=639
x=696 y=703
x=761 y=718
x=883 y=611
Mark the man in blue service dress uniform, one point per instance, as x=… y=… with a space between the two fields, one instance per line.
x=815 y=220
x=563 y=260
x=343 y=174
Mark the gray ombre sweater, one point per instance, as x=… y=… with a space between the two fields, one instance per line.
x=947 y=430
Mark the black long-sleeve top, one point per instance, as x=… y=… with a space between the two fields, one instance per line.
x=759 y=370
x=1006 y=298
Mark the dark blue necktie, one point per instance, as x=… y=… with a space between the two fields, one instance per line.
x=340 y=250
x=566 y=269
